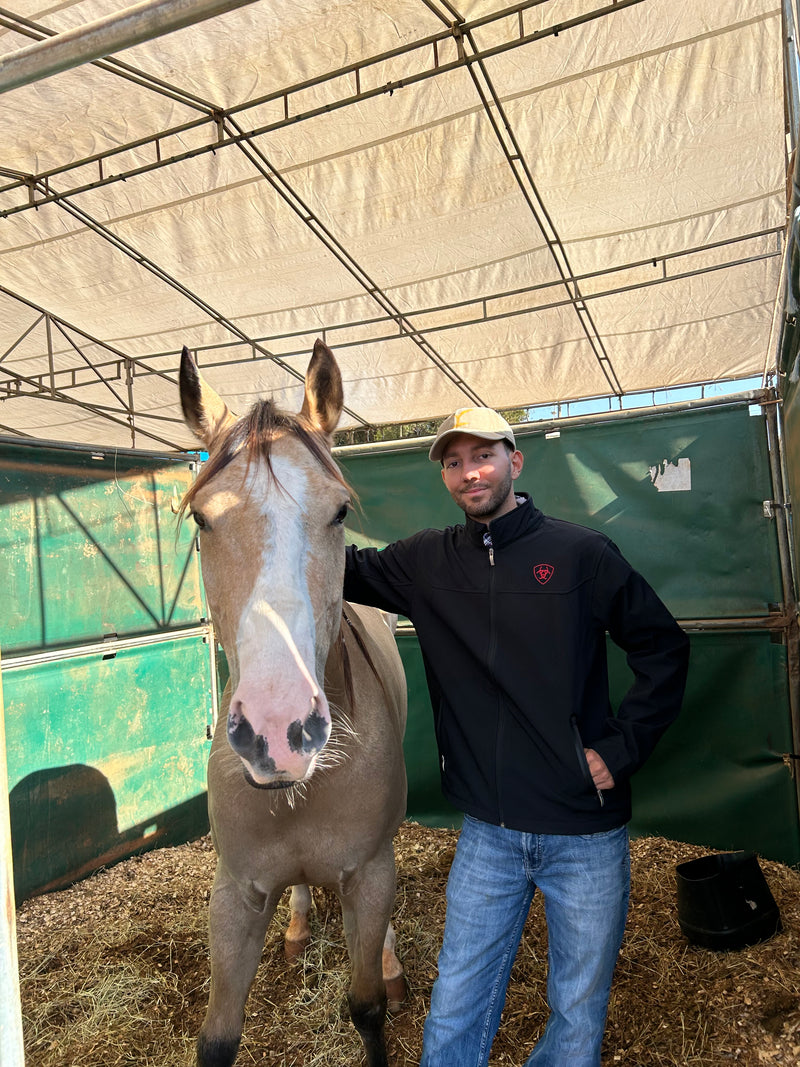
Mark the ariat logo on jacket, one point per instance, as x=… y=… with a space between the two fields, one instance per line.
x=543 y=572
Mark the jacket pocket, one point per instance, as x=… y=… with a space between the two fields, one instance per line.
x=583 y=763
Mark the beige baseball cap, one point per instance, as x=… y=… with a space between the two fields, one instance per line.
x=479 y=422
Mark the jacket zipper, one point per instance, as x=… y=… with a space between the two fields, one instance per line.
x=582 y=759
x=487 y=540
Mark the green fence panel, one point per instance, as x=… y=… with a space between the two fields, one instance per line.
x=718 y=777
x=680 y=493
x=89 y=547
x=106 y=756
x=425 y=801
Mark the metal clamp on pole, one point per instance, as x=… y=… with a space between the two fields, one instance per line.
x=770 y=507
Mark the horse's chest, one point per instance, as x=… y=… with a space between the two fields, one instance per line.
x=313 y=859
x=314 y=845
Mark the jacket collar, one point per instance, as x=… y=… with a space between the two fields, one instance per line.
x=522 y=520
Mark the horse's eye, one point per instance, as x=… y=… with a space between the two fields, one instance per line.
x=198 y=518
x=341 y=515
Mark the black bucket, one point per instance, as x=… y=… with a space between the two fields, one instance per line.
x=724 y=902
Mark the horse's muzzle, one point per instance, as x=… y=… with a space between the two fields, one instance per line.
x=289 y=760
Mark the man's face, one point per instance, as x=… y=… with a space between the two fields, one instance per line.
x=479 y=476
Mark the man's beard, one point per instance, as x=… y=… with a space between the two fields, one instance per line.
x=480 y=509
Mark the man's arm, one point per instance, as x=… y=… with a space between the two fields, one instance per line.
x=657 y=651
x=381 y=578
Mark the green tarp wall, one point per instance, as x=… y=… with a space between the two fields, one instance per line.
x=107 y=671
x=682 y=494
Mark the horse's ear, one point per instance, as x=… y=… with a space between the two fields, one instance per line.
x=324 y=397
x=204 y=411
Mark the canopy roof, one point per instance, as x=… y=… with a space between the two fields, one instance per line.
x=472 y=201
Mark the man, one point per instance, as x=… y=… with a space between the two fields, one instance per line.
x=511 y=609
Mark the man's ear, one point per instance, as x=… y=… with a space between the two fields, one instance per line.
x=517 y=460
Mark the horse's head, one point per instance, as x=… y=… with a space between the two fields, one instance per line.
x=270 y=505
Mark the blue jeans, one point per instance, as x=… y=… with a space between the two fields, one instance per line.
x=585 y=880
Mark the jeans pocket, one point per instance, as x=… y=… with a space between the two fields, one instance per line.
x=622 y=831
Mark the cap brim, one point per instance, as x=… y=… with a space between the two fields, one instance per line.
x=437 y=447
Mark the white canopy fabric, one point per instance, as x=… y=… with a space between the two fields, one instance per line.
x=472 y=201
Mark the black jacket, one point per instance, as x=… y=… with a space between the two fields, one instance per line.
x=514 y=644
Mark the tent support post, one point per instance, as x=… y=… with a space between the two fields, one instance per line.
x=787 y=566
x=792 y=87
x=13 y=1054
x=105 y=36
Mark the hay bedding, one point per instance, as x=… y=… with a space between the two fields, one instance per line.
x=115 y=971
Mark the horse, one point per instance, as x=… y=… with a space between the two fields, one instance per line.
x=306 y=781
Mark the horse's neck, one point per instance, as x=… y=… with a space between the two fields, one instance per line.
x=338 y=669
x=349 y=652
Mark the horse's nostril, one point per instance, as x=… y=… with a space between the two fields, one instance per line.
x=294 y=735
x=316 y=731
x=248 y=744
x=309 y=736
x=240 y=733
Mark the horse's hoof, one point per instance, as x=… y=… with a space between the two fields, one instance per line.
x=396 y=992
x=293 y=950
x=216 y=1052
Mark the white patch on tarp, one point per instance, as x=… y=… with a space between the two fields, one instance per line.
x=669 y=477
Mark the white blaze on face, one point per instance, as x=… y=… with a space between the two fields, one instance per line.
x=276 y=638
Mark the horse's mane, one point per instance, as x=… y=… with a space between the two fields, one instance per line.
x=254 y=435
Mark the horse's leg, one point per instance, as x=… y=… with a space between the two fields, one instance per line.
x=394 y=979
x=298 y=934
x=367 y=897
x=237 y=926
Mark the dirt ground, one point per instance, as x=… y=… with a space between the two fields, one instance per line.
x=115 y=971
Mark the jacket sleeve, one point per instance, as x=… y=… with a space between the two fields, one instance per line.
x=657 y=651
x=381 y=578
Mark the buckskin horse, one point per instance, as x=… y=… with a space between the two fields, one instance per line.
x=306 y=779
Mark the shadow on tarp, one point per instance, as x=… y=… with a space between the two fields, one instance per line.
x=64 y=828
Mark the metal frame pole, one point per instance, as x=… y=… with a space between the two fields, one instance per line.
x=12 y=1053
x=104 y=36
x=783 y=520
